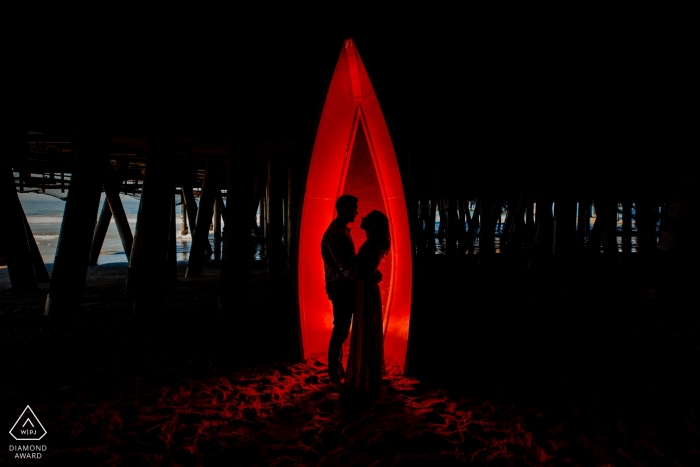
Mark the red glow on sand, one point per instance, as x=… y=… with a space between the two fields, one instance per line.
x=353 y=154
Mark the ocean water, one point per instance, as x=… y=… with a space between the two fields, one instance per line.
x=440 y=244
x=45 y=213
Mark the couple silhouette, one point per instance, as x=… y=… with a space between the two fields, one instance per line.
x=352 y=285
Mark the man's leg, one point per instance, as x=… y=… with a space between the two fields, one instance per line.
x=343 y=307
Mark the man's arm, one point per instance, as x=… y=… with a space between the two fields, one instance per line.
x=343 y=255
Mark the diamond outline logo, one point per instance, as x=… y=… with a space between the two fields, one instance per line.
x=28 y=419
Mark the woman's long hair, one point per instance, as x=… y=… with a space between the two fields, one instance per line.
x=380 y=230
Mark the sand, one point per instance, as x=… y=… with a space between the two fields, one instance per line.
x=191 y=389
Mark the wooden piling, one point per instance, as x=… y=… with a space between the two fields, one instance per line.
x=183 y=216
x=190 y=205
x=422 y=232
x=487 y=226
x=200 y=236
x=543 y=242
x=192 y=213
x=530 y=220
x=42 y=274
x=646 y=217
x=516 y=234
x=473 y=223
x=14 y=236
x=263 y=217
x=148 y=261
x=257 y=199
x=275 y=249
x=100 y=232
x=235 y=259
x=565 y=238
x=75 y=238
x=584 y=220
x=120 y=219
x=464 y=217
x=171 y=266
x=222 y=207
x=627 y=226
x=218 y=204
x=452 y=227
x=441 y=202
x=603 y=232
x=511 y=203
x=430 y=225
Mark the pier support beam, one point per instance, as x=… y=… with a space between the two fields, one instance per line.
x=430 y=224
x=275 y=250
x=98 y=238
x=292 y=212
x=463 y=206
x=75 y=238
x=117 y=209
x=604 y=230
x=423 y=223
x=200 y=237
x=543 y=240
x=190 y=205
x=452 y=227
x=14 y=236
x=646 y=217
x=222 y=208
x=183 y=216
x=235 y=260
x=218 y=205
x=171 y=268
x=257 y=200
x=42 y=275
x=530 y=220
x=584 y=220
x=516 y=234
x=627 y=226
x=487 y=226
x=565 y=239
x=192 y=212
x=147 y=263
x=263 y=218
x=472 y=224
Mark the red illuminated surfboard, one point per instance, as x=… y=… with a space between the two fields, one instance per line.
x=353 y=155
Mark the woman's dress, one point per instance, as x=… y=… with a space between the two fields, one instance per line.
x=366 y=357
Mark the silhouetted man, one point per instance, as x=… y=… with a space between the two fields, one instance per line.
x=338 y=252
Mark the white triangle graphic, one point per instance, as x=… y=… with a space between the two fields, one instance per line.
x=37 y=437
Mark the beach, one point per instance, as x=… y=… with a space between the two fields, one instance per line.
x=530 y=375
x=45 y=213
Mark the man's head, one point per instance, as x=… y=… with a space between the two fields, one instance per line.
x=346 y=207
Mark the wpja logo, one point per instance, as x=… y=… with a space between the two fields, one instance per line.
x=28 y=428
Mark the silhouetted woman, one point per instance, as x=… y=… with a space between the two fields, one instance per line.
x=366 y=358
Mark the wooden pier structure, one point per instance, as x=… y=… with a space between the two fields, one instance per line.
x=162 y=170
x=533 y=225
x=537 y=188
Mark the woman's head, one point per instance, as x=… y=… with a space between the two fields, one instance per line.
x=376 y=225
